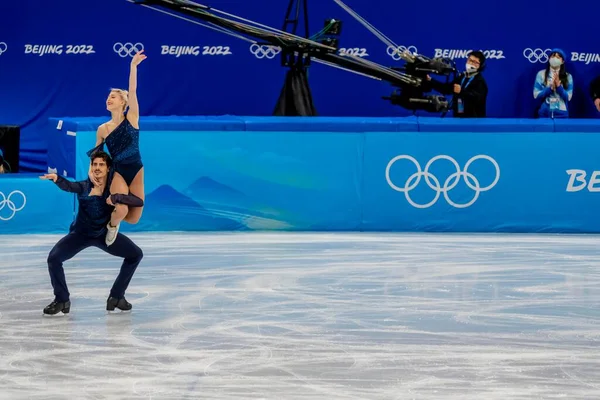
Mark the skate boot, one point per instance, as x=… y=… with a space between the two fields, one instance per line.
x=55 y=307
x=111 y=234
x=121 y=304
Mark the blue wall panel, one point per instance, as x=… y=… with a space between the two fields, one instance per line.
x=221 y=180
x=328 y=174
x=522 y=179
x=31 y=205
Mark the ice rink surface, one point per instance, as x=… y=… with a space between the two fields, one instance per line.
x=309 y=316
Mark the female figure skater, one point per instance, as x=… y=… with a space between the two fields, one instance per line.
x=121 y=135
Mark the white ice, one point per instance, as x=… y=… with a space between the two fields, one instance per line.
x=309 y=316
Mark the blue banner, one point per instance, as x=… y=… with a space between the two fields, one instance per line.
x=334 y=174
x=493 y=182
x=31 y=205
x=61 y=58
x=223 y=180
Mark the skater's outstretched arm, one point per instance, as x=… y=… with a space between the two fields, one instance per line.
x=64 y=184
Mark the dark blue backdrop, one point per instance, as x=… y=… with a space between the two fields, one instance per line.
x=73 y=80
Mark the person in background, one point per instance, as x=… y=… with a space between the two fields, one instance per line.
x=595 y=92
x=4 y=168
x=469 y=88
x=553 y=87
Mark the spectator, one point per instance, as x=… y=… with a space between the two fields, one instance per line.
x=595 y=92
x=469 y=89
x=3 y=169
x=554 y=87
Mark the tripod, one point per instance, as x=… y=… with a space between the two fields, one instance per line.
x=295 y=98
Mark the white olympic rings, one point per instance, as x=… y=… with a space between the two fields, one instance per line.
x=434 y=183
x=536 y=55
x=3 y=47
x=395 y=52
x=260 y=52
x=127 y=49
x=7 y=202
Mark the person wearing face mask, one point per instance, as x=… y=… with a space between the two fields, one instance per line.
x=469 y=88
x=554 y=87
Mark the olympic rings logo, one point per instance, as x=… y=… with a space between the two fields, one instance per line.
x=536 y=55
x=8 y=202
x=395 y=52
x=3 y=48
x=260 y=52
x=127 y=49
x=434 y=183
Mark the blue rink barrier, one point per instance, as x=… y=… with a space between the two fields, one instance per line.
x=383 y=174
x=31 y=205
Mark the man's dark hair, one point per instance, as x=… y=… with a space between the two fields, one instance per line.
x=103 y=155
x=480 y=56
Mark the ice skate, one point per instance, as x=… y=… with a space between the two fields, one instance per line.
x=55 y=307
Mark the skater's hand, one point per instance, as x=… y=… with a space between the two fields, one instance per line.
x=597 y=104
x=95 y=181
x=109 y=201
x=138 y=58
x=51 y=177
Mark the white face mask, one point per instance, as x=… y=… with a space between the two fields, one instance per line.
x=555 y=62
x=471 y=68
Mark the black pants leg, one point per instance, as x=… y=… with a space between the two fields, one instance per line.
x=123 y=247
x=64 y=250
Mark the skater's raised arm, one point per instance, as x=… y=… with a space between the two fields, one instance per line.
x=133 y=114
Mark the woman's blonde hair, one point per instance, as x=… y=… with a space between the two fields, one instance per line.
x=124 y=95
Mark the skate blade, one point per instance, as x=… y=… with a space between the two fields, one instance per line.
x=57 y=315
x=118 y=311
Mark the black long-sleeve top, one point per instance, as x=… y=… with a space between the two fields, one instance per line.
x=595 y=88
x=94 y=213
x=473 y=94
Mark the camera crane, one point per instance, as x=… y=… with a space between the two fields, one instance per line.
x=410 y=79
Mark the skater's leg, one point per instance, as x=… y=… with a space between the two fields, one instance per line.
x=64 y=250
x=132 y=256
x=117 y=186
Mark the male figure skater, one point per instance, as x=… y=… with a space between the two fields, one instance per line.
x=89 y=229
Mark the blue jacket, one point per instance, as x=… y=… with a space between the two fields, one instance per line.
x=554 y=102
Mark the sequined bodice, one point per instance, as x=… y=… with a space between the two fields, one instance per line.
x=123 y=143
x=93 y=214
